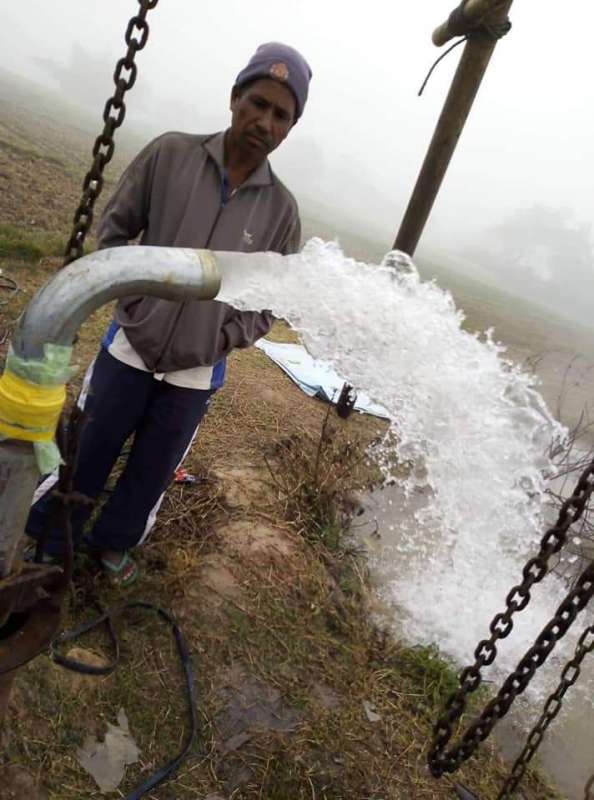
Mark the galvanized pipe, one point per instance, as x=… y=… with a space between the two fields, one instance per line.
x=18 y=478
x=54 y=316
x=465 y=85
x=58 y=310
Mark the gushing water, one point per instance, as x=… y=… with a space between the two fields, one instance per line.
x=471 y=425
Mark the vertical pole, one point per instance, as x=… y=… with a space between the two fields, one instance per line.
x=473 y=64
x=18 y=478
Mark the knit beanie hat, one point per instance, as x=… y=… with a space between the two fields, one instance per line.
x=281 y=63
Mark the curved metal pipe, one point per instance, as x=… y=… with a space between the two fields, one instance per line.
x=54 y=316
x=58 y=310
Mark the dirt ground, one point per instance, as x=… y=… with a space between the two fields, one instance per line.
x=299 y=695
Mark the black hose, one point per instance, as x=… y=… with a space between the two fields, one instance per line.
x=186 y=661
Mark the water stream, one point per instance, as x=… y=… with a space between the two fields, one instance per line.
x=455 y=533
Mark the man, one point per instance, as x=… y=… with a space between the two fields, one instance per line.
x=161 y=361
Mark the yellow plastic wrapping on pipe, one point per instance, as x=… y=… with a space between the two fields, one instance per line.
x=29 y=411
x=32 y=395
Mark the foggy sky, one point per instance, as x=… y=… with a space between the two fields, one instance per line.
x=360 y=143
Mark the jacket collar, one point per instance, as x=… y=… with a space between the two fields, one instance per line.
x=215 y=147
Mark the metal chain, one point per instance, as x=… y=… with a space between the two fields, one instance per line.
x=569 y=676
x=442 y=761
x=114 y=112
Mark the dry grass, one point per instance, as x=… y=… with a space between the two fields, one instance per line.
x=318 y=476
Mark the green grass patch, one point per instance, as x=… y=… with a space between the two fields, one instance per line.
x=432 y=676
x=28 y=245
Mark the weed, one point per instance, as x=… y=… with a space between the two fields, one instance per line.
x=317 y=478
x=433 y=676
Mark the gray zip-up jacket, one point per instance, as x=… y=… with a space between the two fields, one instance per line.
x=173 y=194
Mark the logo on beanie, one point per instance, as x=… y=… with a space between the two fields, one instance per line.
x=279 y=71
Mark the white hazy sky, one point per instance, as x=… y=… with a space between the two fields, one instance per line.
x=358 y=148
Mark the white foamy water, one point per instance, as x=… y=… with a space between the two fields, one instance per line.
x=456 y=533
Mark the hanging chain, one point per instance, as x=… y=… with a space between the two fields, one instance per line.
x=114 y=112
x=569 y=676
x=442 y=761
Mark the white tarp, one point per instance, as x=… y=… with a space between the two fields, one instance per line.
x=315 y=378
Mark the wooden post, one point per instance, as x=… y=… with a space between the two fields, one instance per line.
x=473 y=64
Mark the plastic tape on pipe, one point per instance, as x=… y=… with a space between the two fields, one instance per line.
x=28 y=411
x=32 y=396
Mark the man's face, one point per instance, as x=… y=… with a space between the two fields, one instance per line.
x=263 y=113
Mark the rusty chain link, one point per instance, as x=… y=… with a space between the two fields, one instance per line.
x=569 y=675
x=114 y=112
x=442 y=760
